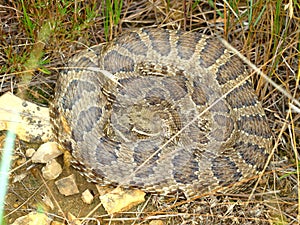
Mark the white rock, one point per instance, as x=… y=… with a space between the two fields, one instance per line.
x=52 y=170
x=87 y=197
x=29 y=152
x=46 y=152
x=30 y=122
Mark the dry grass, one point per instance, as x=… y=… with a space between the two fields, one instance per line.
x=38 y=37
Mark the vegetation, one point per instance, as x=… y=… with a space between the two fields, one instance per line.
x=38 y=37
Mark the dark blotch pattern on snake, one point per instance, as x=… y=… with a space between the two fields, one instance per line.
x=148 y=110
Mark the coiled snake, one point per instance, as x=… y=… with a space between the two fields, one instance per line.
x=161 y=110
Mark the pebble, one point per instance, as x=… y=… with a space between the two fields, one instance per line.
x=67 y=185
x=46 y=152
x=52 y=170
x=120 y=200
x=29 y=152
x=87 y=196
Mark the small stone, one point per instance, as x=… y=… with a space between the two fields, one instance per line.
x=29 y=152
x=87 y=197
x=52 y=170
x=120 y=200
x=33 y=218
x=156 y=222
x=46 y=152
x=73 y=219
x=67 y=185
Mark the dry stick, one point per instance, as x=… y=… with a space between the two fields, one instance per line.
x=267 y=163
x=293 y=141
x=282 y=212
x=56 y=202
x=279 y=89
x=18 y=167
x=138 y=214
x=207 y=215
x=184 y=15
x=91 y=212
x=27 y=200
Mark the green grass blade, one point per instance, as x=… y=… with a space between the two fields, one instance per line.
x=28 y=23
x=5 y=167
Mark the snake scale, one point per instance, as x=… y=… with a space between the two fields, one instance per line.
x=162 y=111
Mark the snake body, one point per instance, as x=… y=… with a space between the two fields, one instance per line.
x=161 y=110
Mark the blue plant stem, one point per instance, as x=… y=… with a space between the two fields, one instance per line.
x=5 y=166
